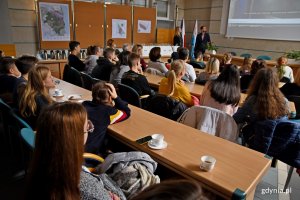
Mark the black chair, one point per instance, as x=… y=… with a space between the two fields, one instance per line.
x=166 y=106
x=72 y=76
x=130 y=95
x=88 y=81
x=233 y=53
x=296 y=100
x=197 y=65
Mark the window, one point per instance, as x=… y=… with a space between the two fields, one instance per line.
x=140 y=3
x=162 y=7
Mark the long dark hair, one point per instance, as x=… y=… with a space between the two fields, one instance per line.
x=270 y=102
x=226 y=88
x=57 y=159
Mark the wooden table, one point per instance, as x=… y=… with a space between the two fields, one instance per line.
x=238 y=169
x=196 y=89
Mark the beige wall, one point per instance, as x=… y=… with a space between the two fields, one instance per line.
x=213 y=13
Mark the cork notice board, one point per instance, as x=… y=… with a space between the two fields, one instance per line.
x=145 y=14
x=56 y=44
x=119 y=12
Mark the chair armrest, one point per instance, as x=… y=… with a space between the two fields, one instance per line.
x=144 y=96
x=93 y=157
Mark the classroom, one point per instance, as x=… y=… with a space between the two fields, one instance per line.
x=150 y=99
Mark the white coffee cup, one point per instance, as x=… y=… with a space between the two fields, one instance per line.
x=58 y=92
x=157 y=140
x=207 y=163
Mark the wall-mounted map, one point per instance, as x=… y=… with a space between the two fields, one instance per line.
x=54 y=19
x=119 y=28
x=144 y=26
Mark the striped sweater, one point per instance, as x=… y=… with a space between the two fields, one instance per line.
x=102 y=116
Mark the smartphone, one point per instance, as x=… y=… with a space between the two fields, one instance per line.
x=144 y=139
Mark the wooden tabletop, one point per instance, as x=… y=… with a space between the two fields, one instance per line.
x=237 y=167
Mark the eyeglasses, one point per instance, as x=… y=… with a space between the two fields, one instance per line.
x=90 y=127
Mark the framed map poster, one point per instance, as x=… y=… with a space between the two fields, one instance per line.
x=54 y=19
x=144 y=26
x=119 y=28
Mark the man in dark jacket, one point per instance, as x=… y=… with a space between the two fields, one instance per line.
x=202 y=40
x=105 y=65
x=73 y=59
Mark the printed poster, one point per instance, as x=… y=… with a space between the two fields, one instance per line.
x=144 y=26
x=119 y=28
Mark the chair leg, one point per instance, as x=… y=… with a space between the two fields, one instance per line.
x=288 y=179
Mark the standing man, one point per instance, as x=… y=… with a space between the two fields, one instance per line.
x=202 y=40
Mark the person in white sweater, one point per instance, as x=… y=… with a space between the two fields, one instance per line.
x=94 y=52
x=285 y=72
x=190 y=74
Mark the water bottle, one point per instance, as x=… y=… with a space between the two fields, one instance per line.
x=63 y=55
x=52 y=56
x=45 y=55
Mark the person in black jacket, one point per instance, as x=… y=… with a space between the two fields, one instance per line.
x=202 y=40
x=73 y=59
x=177 y=40
x=105 y=65
x=134 y=78
x=106 y=108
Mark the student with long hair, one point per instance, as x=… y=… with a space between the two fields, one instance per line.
x=35 y=95
x=56 y=171
x=118 y=70
x=227 y=57
x=285 y=72
x=174 y=190
x=173 y=86
x=93 y=52
x=223 y=93
x=264 y=101
x=292 y=88
x=246 y=67
x=177 y=40
x=155 y=63
x=211 y=71
x=106 y=108
x=138 y=49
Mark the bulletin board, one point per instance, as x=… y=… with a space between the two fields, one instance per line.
x=55 y=44
x=140 y=34
x=89 y=23
x=118 y=12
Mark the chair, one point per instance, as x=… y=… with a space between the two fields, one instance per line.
x=296 y=100
x=246 y=55
x=28 y=137
x=91 y=161
x=154 y=71
x=211 y=121
x=72 y=76
x=130 y=95
x=264 y=57
x=197 y=65
x=67 y=73
x=88 y=81
x=233 y=53
x=166 y=106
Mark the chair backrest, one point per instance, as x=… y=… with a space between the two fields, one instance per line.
x=154 y=71
x=88 y=81
x=28 y=136
x=166 y=106
x=129 y=94
x=67 y=73
x=264 y=57
x=296 y=100
x=233 y=53
x=76 y=77
x=211 y=121
x=246 y=55
x=197 y=65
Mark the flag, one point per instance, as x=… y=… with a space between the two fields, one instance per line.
x=193 y=41
x=182 y=26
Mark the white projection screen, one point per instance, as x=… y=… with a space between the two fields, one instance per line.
x=264 y=19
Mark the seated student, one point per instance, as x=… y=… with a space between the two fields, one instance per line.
x=211 y=71
x=174 y=190
x=35 y=95
x=246 y=67
x=134 y=78
x=227 y=57
x=223 y=93
x=56 y=170
x=73 y=59
x=155 y=62
x=247 y=78
x=118 y=70
x=24 y=64
x=9 y=75
x=106 y=108
x=105 y=65
x=264 y=101
x=289 y=89
x=93 y=52
x=198 y=61
x=190 y=74
x=173 y=86
x=111 y=43
x=285 y=72
x=138 y=49
x=174 y=55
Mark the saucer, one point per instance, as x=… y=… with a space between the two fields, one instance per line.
x=57 y=96
x=163 y=146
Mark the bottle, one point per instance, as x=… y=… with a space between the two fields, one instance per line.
x=57 y=54
x=45 y=55
x=63 y=55
x=81 y=54
x=84 y=54
x=52 y=56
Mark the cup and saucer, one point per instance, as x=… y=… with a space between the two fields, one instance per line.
x=157 y=142
x=58 y=95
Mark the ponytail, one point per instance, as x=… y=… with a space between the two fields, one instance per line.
x=171 y=82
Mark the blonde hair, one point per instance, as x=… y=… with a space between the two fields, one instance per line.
x=176 y=68
x=34 y=88
x=281 y=63
x=297 y=78
x=177 y=30
x=213 y=66
x=227 y=57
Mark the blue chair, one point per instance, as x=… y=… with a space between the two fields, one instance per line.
x=246 y=55
x=233 y=53
x=28 y=136
x=263 y=57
